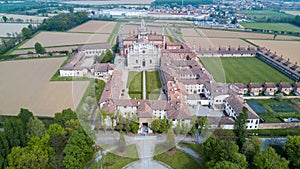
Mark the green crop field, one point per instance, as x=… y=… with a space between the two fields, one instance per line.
x=153 y=85
x=242 y=70
x=267 y=15
x=271 y=26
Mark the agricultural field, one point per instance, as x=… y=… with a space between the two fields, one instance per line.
x=50 y=39
x=153 y=85
x=236 y=34
x=27 y=85
x=11 y=28
x=275 y=111
x=289 y=49
x=214 y=42
x=271 y=26
x=109 y=2
x=134 y=28
x=174 y=21
x=242 y=70
x=25 y=18
x=95 y=27
x=267 y=15
x=292 y=12
x=135 y=85
x=189 y=32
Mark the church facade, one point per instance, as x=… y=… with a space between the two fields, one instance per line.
x=143 y=50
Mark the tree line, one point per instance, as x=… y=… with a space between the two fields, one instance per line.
x=28 y=143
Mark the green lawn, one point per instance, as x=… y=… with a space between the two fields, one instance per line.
x=242 y=70
x=153 y=85
x=114 y=161
x=177 y=160
x=275 y=116
x=271 y=26
x=135 y=85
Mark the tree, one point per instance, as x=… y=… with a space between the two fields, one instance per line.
x=26 y=33
x=234 y=21
x=163 y=126
x=252 y=147
x=127 y=126
x=35 y=128
x=279 y=97
x=58 y=141
x=225 y=165
x=202 y=122
x=121 y=143
x=170 y=142
x=292 y=149
x=39 y=49
x=78 y=150
x=134 y=127
x=64 y=116
x=178 y=128
x=4 y=18
x=108 y=57
x=269 y=159
x=215 y=151
x=4 y=150
x=240 y=129
x=25 y=115
x=21 y=158
x=14 y=132
x=155 y=125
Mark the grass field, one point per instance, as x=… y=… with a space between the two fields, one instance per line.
x=271 y=26
x=134 y=84
x=242 y=70
x=153 y=85
x=266 y=15
x=275 y=111
x=177 y=160
x=114 y=161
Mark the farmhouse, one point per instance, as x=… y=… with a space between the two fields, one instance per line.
x=255 y=88
x=82 y=61
x=269 y=89
x=240 y=88
x=234 y=106
x=285 y=88
x=103 y=69
x=297 y=88
x=227 y=52
x=284 y=66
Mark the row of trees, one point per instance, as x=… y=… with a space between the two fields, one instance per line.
x=17 y=38
x=27 y=143
x=63 y=22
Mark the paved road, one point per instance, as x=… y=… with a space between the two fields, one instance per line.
x=145 y=146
